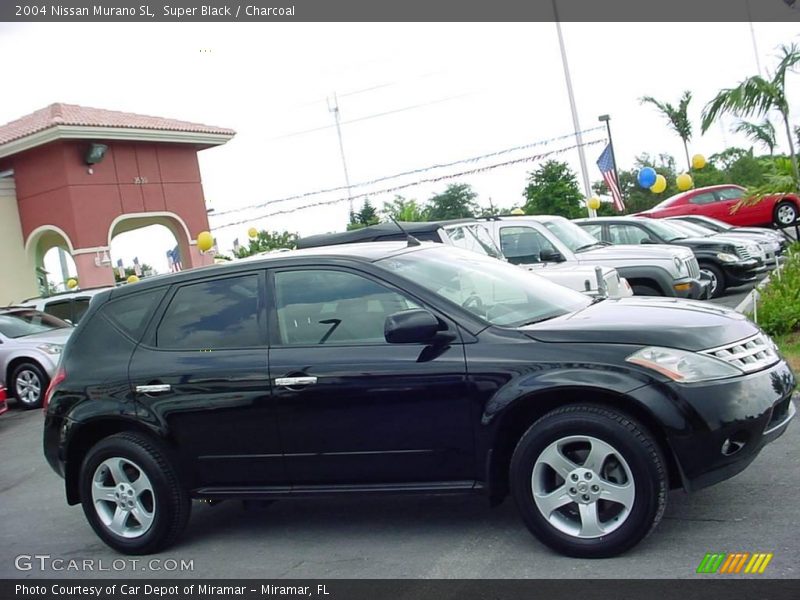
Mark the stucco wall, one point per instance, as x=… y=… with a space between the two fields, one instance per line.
x=17 y=277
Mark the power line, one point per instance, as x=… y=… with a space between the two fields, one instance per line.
x=412 y=184
x=404 y=173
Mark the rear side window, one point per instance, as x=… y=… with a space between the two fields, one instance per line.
x=132 y=313
x=705 y=198
x=216 y=314
x=60 y=308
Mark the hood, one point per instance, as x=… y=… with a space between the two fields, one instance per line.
x=633 y=251
x=55 y=336
x=669 y=322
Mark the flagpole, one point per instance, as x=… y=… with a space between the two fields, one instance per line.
x=607 y=120
x=578 y=137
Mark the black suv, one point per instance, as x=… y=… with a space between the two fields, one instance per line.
x=394 y=368
x=726 y=262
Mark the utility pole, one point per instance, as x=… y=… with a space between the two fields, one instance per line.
x=576 y=124
x=753 y=36
x=335 y=110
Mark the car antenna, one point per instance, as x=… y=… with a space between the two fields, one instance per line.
x=412 y=241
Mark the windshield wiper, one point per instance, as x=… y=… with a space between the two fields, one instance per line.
x=587 y=246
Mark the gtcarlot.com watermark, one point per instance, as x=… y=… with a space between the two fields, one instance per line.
x=47 y=562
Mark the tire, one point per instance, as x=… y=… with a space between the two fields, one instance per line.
x=28 y=384
x=645 y=290
x=638 y=481
x=785 y=213
x=155 y=511
x=718 y=285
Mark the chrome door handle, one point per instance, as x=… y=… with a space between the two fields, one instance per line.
x=154 y=388
x=294 y=381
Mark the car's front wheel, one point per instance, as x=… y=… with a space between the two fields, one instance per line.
x=588 y=481
x=28 y=384
x=716 y=279
x=131 y=494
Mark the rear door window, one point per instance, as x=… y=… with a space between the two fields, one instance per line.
x=704 y=198
x=60 y=308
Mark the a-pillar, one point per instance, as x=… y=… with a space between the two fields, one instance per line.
x=89 y=273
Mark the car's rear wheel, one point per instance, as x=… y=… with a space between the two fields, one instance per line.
x=28 y=384
x=131 y=494
x=785 y=213
x=716 y=285
x=588 y=481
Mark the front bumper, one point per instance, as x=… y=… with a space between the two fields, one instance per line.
x=745 y=271
x=693 y=289
x=729 y=422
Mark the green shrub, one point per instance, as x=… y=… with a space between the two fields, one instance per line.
x=779 y=303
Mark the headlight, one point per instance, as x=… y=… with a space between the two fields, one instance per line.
x=725 y=257
x=683 y=366
x=51 y=348
x=678 y=263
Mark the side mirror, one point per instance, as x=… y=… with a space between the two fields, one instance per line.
x=550 y=255
x=646 y=241
x=415 y=325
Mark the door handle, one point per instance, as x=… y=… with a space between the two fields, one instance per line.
x=295 y=381
x=155 y=388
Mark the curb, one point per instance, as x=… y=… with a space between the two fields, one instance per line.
x=746 y=305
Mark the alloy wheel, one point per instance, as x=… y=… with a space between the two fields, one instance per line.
x=123 y=497
x=786 y=214
x=28 y=387
x=583 y=486
x=713 y=281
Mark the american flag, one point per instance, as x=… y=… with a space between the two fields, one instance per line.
x=606 y=165
x=174 y=260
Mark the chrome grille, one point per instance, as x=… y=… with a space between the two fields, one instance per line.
x=693 y=267
x=750 y=354
x=742 y=252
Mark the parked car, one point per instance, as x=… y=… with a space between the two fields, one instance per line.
x=472 y=235
x=30 y=347
x=721 y=202
x=770 y=249
x=723 y=227
x=67 y=306
x=651 y=271
x=405 y=369
x=725 y=262
x=3 y=402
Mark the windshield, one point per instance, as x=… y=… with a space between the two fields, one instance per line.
x=19 y=323
x=473 y=237
x=572 y=236
x=692 y=228
x=496 y=291
x=667 y=231
x=714 y=224
x=668 y=202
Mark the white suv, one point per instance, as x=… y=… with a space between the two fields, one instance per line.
x=67 y=306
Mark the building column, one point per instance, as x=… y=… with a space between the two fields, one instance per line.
x=89 y=274
x=199 y=259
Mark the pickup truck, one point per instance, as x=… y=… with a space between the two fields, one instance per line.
x=593 y=280
x=652 y=270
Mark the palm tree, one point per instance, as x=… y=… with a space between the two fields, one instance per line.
x=758 y=96
x=759 y=133
x=678 y=118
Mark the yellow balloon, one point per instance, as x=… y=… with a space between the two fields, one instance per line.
x=660 y=185
x=517 y=211
x=72 y=283
x=252 y=232
x=204 y=241
x=593 y=203
x=133 y=279
x=698 y=161
x=684 y=182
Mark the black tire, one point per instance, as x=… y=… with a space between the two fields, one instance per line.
x=645 y=290
x=31 y=374
x=718 y=284
x=643 y=459
x=785 y=213
x=170 y=501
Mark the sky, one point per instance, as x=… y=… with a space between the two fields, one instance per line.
x=410 y=96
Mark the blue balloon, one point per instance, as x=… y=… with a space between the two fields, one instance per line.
x=647 y=177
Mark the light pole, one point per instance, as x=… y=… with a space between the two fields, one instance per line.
x=576 y=124
x=335 y=110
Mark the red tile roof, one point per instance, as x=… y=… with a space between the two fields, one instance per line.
x=74 y=115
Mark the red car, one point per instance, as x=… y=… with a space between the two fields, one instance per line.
x=719 y=202
x=3 y=404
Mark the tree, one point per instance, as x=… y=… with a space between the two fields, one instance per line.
x=553 y=190
x=759 y=133
x=266 y=241
x=456 y=202
x=638 y=198
x=678 y=118
x=759 y=96
x=364 y=217
x=401 y=209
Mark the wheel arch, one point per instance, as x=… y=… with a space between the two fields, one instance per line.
x=14 y=363
x=518 y=418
